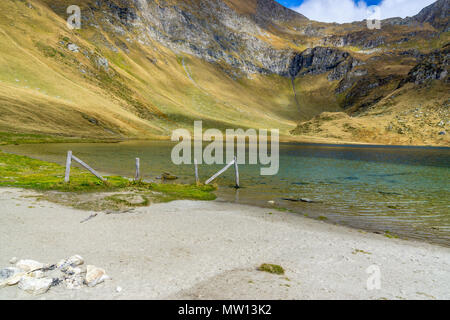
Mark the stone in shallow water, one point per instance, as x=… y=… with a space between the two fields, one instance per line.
x=29 y=265
x=95 y=275
x=35 y=286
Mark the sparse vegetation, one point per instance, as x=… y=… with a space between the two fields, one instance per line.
x=271 y=268
x=356 y=251
x=29 y=138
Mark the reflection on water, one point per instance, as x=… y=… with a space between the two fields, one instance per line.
x=401 y=190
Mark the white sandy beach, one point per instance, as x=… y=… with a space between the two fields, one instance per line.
x=210 y=250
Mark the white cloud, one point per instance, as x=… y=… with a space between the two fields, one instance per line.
x=348 y=11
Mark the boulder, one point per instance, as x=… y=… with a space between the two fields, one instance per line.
x=35 y=286
x=95 y=275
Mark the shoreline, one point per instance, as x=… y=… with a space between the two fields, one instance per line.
x=210 y=250
x=304 y=140
x=315 y=214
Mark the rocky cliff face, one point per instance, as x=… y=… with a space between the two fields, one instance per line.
x=212 y=30
x=434 y=66
x=256 y=36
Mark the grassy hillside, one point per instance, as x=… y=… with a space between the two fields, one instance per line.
x=96 y=83
x=145 y=92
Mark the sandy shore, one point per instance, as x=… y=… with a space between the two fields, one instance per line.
x=210 y=250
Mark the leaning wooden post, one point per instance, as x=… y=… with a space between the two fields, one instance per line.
x=68 y=164
x=89 y=168
x=197 y=179
x=219 y=173
x=236 y=169
x=138 y=169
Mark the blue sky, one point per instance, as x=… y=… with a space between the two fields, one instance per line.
x=355 y=10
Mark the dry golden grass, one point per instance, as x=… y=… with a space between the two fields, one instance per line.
x=410 y=116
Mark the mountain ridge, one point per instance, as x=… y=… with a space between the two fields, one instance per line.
x=140 y=68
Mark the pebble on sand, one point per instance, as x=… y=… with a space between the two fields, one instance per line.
x=95 y=275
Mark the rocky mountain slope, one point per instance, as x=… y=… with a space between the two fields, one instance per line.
x=141 y=68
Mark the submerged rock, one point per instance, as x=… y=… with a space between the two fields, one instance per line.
x=35 y=286
x=168 y=176
x=300 y=200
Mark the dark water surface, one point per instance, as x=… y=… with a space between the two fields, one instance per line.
x=402 y=190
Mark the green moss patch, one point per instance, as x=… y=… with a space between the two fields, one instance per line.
x=24 y=172
x=271 y=268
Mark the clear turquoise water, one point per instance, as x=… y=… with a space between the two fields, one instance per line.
x=401 y=190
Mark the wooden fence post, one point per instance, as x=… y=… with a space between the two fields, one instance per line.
x=197 y=179
x=219 y=173
x=138 y=169
x=236 y=169
x=68 y=164
x=89 y=168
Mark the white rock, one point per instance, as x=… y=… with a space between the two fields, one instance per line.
x=13 y=260
x=10 y=276
x=95 y=275
x=60 y=263
x=29 y=265
x=271 y=202
x=74 y=270
x=37 y=274
x=75 y=260
x=74 y=282
x=119 y=289
x=73 y=47
x=35 y=286
x=7 y=273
